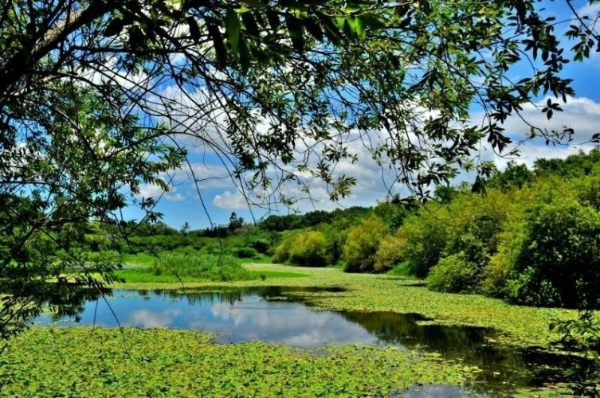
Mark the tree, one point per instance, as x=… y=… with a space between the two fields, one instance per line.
x=362 y=243
x=235 y=222
x=99 y=96
x=185 y=228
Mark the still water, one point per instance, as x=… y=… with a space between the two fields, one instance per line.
x=279 y=315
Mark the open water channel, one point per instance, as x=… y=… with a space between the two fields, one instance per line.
x=280 y=315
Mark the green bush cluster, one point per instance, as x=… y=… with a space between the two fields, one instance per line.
x=306 y=248
x=362 y=244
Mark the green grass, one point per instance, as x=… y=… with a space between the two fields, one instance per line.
x=146 y=275
x=139 y=259
x=47 y=362
x=276 y=274
x=201 y=266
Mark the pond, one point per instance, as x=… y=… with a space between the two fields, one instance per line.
x=280 y=315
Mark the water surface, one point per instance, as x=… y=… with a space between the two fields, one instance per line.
x=279 y=315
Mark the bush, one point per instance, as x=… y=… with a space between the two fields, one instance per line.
x=244 y=252
x=283 y=251
x=362 y=244
x=306 y=248
x=309 y=249
x=558 y=262
x=389 y=253
x=402 y=269
x=261 y=245
x=454 y=274
x=425 y=239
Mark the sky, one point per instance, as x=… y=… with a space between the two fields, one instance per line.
x=213 y=199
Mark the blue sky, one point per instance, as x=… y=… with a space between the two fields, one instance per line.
x=219 y=196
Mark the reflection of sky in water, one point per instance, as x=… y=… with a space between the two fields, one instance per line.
x=250 y=318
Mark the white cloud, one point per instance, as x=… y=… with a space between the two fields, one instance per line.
x=580 y=114
x=148 y=319
x=154 y=191
x=375 y=181
x=230 y=200
x=589 y=10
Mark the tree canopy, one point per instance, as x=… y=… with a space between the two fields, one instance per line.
x=100 y=96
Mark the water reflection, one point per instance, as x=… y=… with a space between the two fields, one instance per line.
x=277 y=315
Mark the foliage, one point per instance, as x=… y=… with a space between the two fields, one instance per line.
x=574 y=166
x=389 y=253
x=308 y=248
x=209 y=267
x=132 y=362
x=283 y=251
x=402 y=269
x=514 y=176
x=244 y=252
x=582 y=334
x=362 y=243
x=425 y=238
x=558 y=263
x=453 y=274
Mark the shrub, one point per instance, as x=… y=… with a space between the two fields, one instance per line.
x=389 y=253
x=425 y=239
x=558 y=263
x=309 y=249
x=504 y=262
x=283 y=251
x=362 y=244
x=454 y=274
x=402 y=269
x=261 y=245
x=244 y=252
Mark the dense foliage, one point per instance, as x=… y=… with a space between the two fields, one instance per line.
x=532 y=239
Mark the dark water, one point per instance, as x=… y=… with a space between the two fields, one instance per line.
x=277 y=315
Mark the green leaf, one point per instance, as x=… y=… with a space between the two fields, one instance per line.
x=244 y=55
x=294 y=26
x=194 y=30
x=219 y=45
x=360 y=28
x=232 y=27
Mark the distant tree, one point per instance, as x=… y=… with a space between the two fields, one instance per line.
x=185 y=228
x=362 y=244
x=235 y=222
x=514 y=176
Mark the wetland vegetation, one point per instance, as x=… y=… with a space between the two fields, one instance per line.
x=360 y=293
